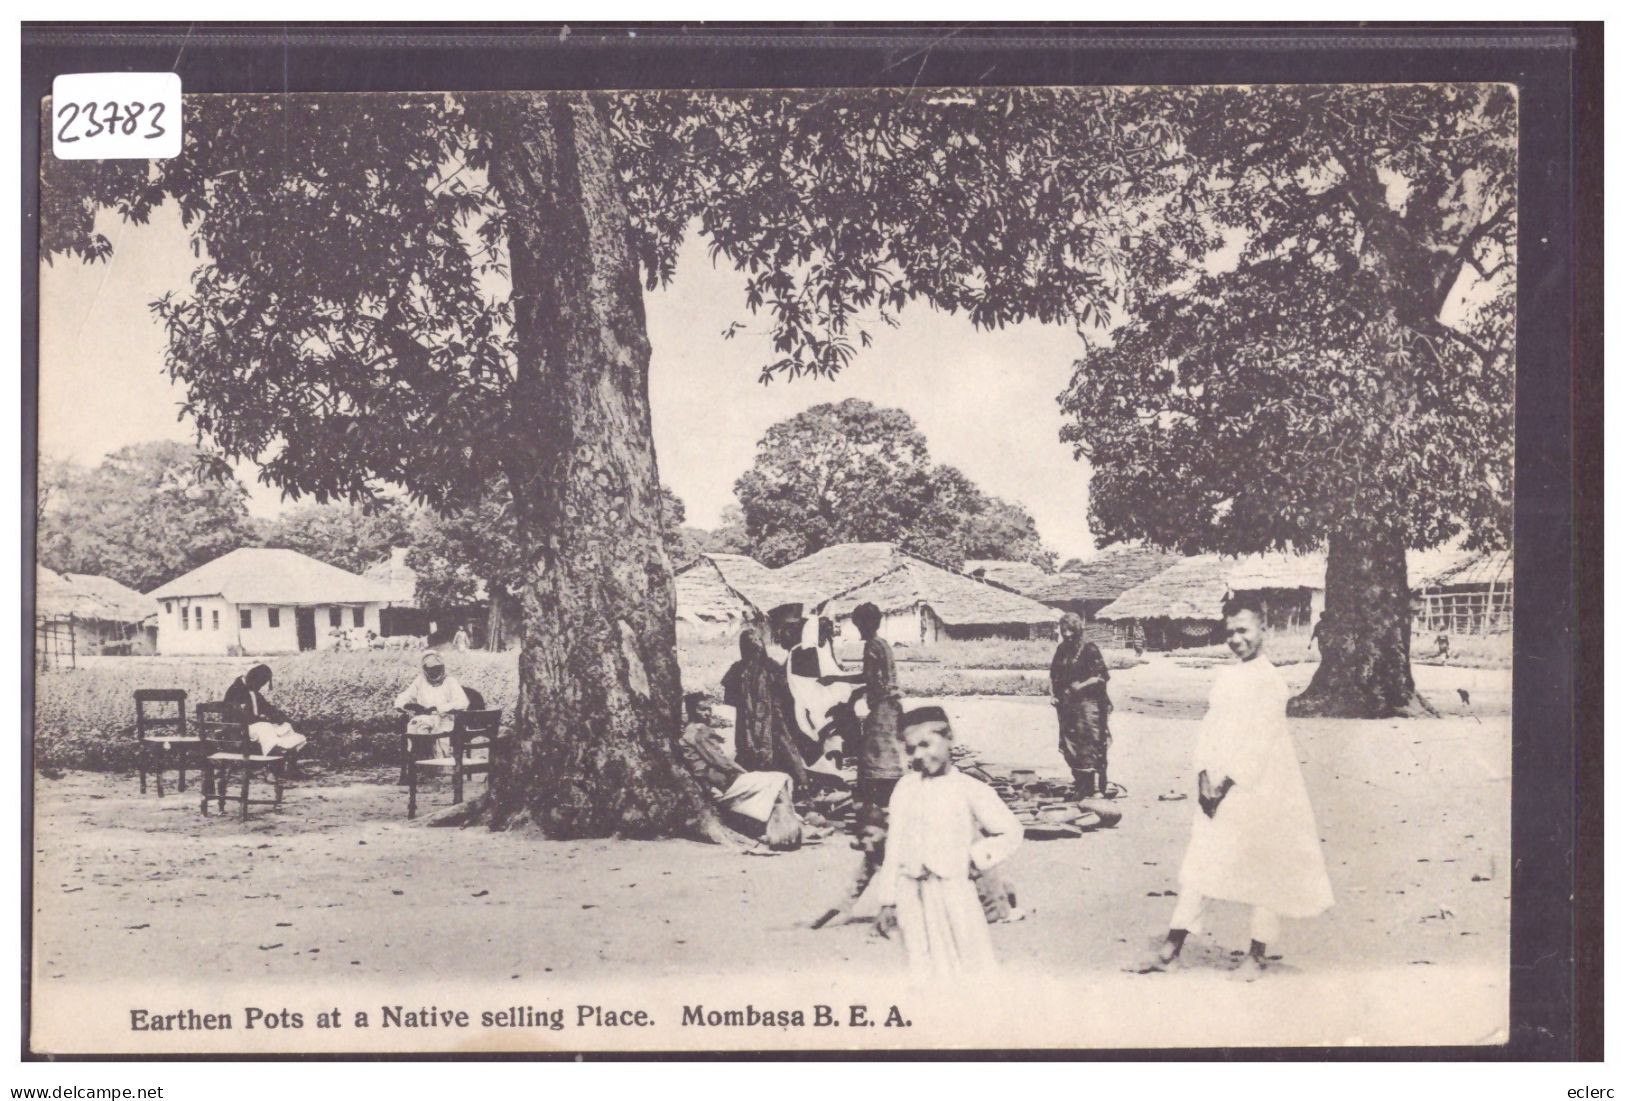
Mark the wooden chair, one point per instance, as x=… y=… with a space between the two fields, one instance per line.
x=160 y=734
x=471 y=731
x=227 y=747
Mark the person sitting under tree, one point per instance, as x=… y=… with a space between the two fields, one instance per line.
x=432 y=700
x=762 y=799
x=1253 y=834
x=267 y=724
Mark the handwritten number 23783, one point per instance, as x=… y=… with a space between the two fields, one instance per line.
x=109 y=118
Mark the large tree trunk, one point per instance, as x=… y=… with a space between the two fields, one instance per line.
x=1365 y=642
x=599 y=691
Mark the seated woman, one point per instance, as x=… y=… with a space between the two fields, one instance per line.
x=267 y=724
x=761 y=799
x=431 y=700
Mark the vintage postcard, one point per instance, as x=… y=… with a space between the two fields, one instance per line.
x=861 y=569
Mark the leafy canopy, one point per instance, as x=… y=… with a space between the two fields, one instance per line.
x=145 y=515
x=341 y=535
x=349 y=324
x=1312 y=286
x=1318 y=328
x=855 y=472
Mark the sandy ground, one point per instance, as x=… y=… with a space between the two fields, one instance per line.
x=338 y=890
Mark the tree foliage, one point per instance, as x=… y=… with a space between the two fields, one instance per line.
x=1317 y=295
x=855 y=472
x=467 y=555
x=342 y=535
x=349 y=324
x=145 y=515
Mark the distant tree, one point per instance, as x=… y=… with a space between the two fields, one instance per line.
x=681 y=546
x=145 y=515
x=342 y=535
x=729 y=536
x=1317 y=347
x=1072 y=565
x=472 y=555
x=1002 y=530
x=855 y=472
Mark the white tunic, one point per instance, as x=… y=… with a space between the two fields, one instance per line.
x=1262 y=845
x=941 y=828
x=440 y=700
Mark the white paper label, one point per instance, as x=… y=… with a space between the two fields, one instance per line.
x=125 y=116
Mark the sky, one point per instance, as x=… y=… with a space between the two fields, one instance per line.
x=986 y=401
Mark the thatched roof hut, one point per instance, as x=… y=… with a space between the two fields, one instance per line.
x=1470 y=595
x=89 y=597
x=708 y=605
x=941 y=603
x=104 y=615
x=1180 y=606
x=922 y=601
x=1102 y=579
x=1023 y=577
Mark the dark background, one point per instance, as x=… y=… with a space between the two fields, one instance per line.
x=1557 y=949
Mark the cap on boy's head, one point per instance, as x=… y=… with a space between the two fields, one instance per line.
x=1235 y=603
x=922 y=715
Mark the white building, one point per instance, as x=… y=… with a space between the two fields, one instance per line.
x=263 y=600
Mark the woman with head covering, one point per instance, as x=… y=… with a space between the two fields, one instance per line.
x=1078 y=677
x=431 y=700
x=267 y=724
x=757 y=689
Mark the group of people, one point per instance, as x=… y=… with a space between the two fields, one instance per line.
x=932 y=835
x=929 y=835
x=430 y=702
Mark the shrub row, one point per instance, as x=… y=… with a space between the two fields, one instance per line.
x=343 y=702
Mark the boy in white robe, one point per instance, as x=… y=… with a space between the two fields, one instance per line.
x=943 y=826
x=1253 y=837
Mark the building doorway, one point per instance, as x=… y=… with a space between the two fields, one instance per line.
x=304 y=620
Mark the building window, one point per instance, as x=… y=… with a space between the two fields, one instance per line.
x=273 y=617
x=186 y=621
x=169 y=609
x=214 y=616
x=245 y=619
x=199 y=611
x=359 y=616
x=335 y=617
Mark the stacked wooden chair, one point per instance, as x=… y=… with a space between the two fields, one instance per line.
x=162 y=740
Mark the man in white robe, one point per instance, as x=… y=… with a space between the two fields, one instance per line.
x=944 y=825
x=1253 y=837
x=432 y=700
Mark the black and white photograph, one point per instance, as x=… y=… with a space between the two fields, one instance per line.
x=867 y=569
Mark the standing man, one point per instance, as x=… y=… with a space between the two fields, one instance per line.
x=880 y=750
x=1317 y=636
x=1253 y=837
